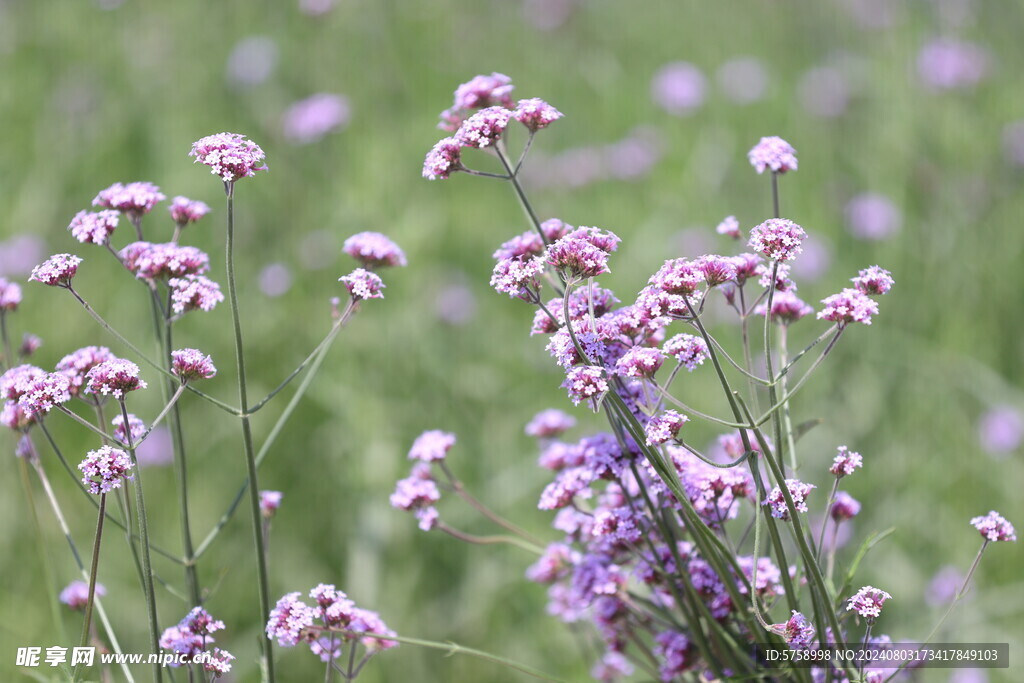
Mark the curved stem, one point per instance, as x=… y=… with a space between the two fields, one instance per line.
x=489 y=540
x=461 y=492
x=77 y=676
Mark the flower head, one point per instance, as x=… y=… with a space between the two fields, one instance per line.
x=432 y=446
x=193 y=292
x=76 y=594
x=845 y=462
x=229 y=156
x=778 y=239
x=134 y=199
x=535 y=114
x=41 y=394
x=867 y=602
x=849 y=306
x=443 y=159
x=550 y=423
x=136 y=428
x=483 y=128
x=150 y=261
x=787 y=308
x=730 y=227
x=639 y=362
x=797 y=631
x=95 y=227
x=374 y=250
x=678 y=276
x=185 y=211
x=417 y=493
x=362 y=284
x=191 y=364
x=310 y=119
x=664 y=427
x=484 y=91
x=717 y=270
x=578 y=257
x=994 y=527
x=30 y=343
x=773 y=154
x=115 y=377
x=270 y=501
x=288 y=618
x=585 y=382
x=10 y=295
x=873 y=280
x=517 y=276
x=57 y=270
x=845 y=507
x=798 y=491
x=105 y=469
x=219 y=662
x=688 y=349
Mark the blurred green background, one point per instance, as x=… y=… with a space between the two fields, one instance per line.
x=98 y=92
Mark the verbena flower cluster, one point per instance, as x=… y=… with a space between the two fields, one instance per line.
x=192 y=639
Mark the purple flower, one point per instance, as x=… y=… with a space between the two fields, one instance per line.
x=535 y=114
x=483 y=128
x=664 y=427
x=844 y=507
x=432 y=446
x=10 y=295
x=948 y=64
x=95 y=227
x=326 y=649
x=310 y=119
x=688 y=349
x=550 y=423
x=270 y=501
x=994 y=527
x=867 y=602
x=845 y=462
x=191 y=364
x=134 y=199
x=585 y=383
x=798 y=491
x=76 y=594
x=873 y=281
x=484 y=91
x=185 y=211
x=730 y=227
x=849 y=306
x=639 y=362
x=136 y=428
x=370 y=622
x=115 y=377
x=787 y=308
x=554 y=564
x=30 y=343
x=797 y=632
x=374 y=250
x=194 y=292
x=678 y=276
x=150 y=261
x=579 y=257
x=443 y=159
x=288 y=618
x=105 y=469
x=872 y=216
x=778 y=239
x=362 y=284
x=773 y=154
x=12 y=381
x=229 y=156
x=57 y=270
x=1001 y=430
x=782 y=281
x=275 y=279
x=568 y=484
x=717 y=270
x=41 y=394
x=747 y=266
x=678 y=88
x=613 y=666
x=219 y=662
x=675 y=654
x=606 y=241
x=517 y=277
x=418 y=493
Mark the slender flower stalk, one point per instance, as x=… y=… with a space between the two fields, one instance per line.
x=87 y=622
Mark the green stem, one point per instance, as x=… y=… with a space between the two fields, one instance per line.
x=92 y=581
x=249 y=451
x=521 y=195
x=490 y=540
x=787 y=422
x=44 y=556
x=824 y=521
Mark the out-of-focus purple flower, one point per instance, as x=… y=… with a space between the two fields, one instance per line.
x=585 y=383
x=275 y=279
x=157 y=450
x=484 y=91
x=824 y=91
x=15 y=378
x=194 y=292
x=688 y=349
x=873 y=281
x=867 y=602
x=675 y=654
x=633 y=156
x=845 y=507
x=1001 y=430
x=136 y=428
x=370 y=622
x=778 y=239
x=270 y=501
x=872 y=216
x=76 y=594
x=744 y=80
x=30 y=343
x=849 y=306
x=316 y=8
x=550 y=423
x=432 y=446
x=288 y=618
x=1013 y=142
x=150 y=261
x=95 y=227
x=443 y=159
x=362 y=284
x=77 y=364
x=19 y=253
x=814 y=261
x=10 y=295
x=678 y=88
x=230 y=156
x=798 y=491
x=568 y=484
x=252 y=61
x=773 y=154
x=554 y=564
x=846 y=462
x=105 y=469
x=994 y=527
x=374 y=250
x=787 y=308
x=42 y=394
x=133 y=199
x=797 y=632
x=310 y=119
x=535 y=114
x=639 y=362
x=943 y=586
x=417 y=493
x=218 y=662
x=664 y=427
x=185 y=211
x=613 y=666
x=57 y=270
x=326 y=648
x=191 y=364
x=115 y=377
x=949 y=64
x=455 y=304
x=730 y=227
x=483 y=128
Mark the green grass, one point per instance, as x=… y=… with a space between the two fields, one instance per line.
x=91 y=97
